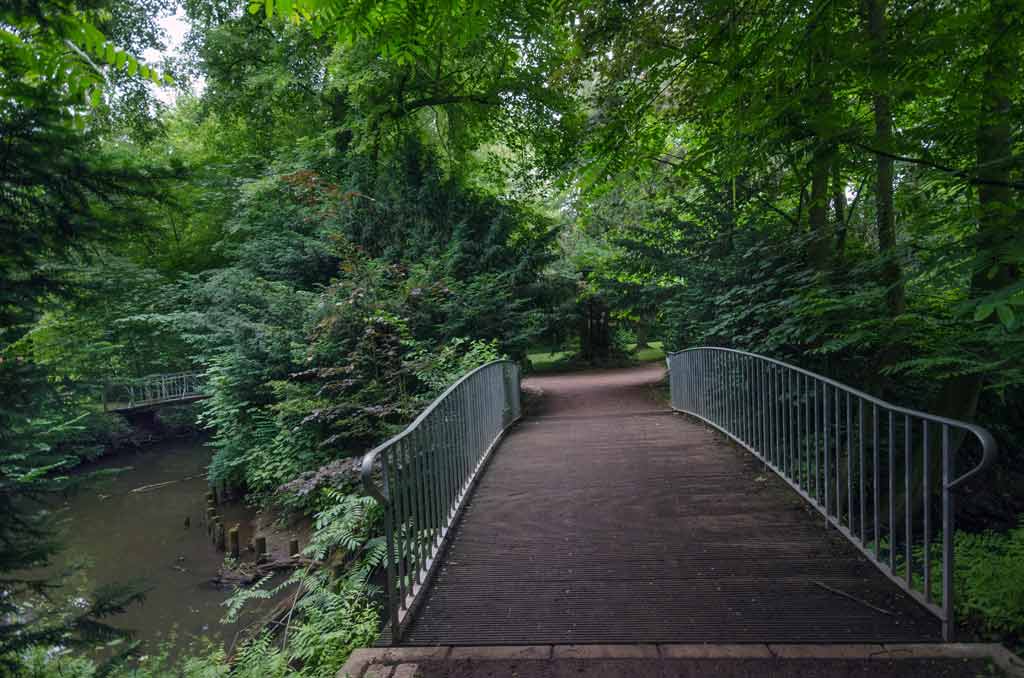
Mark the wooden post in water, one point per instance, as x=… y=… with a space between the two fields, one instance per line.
x=218 y=535
x=261 y=548
x=233 y=548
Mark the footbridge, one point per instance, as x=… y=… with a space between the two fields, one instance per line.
x=144 y=394
x=755 y=502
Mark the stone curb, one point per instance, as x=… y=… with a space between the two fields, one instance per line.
x=500 y=652
x=639 y=651
x=360 y=660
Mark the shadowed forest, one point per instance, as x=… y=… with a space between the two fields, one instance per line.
x=332 y=210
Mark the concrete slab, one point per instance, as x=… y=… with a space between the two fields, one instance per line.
x=1011 y=664
x=724 y=651
x=853 y=651
x=359 y=661
x=491 y=652
x=405 y=671
x=861 y=660
x=413 y=654
x=641 y=651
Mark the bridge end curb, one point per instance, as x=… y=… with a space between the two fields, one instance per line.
x=374 y=662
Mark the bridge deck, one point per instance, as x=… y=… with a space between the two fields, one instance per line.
x=129 y=408
x=605 y=518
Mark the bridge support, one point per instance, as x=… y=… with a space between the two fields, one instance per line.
x=144 y=420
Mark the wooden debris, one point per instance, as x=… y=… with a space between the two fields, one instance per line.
x=853 y=598
x=233 y=547
x=156 y=486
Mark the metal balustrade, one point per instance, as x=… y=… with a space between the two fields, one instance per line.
x=876 y=471
x=427 y=472
x=151 y=390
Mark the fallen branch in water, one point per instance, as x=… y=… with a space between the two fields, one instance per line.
x=247 y=575
x=156 y=486
x=853 y=598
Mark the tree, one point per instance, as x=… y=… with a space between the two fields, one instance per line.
x=59 y=194
x=56 y=44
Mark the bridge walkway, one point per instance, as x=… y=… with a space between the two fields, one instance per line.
x=605 y=518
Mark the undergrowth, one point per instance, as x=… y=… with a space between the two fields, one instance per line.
x=990 y=584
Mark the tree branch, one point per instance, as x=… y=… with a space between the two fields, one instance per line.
x=89 y=61
x=482 y=99
x=963 y=174
x=780 y=212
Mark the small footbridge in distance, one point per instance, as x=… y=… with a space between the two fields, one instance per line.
x=149 y=393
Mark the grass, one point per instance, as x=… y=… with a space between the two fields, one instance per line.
x=654 y=351
x=542 y=361
x=558 y=361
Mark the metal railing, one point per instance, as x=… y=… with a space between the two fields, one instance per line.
x=873 y=469
x=152 y=390
x=428 y=470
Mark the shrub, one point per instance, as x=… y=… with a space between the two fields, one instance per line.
x=990 y=581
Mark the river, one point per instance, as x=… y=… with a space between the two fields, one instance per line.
x=158 y=535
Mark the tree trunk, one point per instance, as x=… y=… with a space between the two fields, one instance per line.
x=820 y=249
x=839 y=207
x=996 y=232
x=885 y=217
x=595 y=333
x=643 y=330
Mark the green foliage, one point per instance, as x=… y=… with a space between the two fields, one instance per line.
x=322 y=333
x=469 y=74
x=456 y=358
x=57 y=44
x=64 y=195
x=990 y=581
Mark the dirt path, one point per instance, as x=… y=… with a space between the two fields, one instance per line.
x=604 y=517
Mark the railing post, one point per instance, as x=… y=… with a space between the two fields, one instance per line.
x=510 y=384
x=389 y=537
x=948 y=474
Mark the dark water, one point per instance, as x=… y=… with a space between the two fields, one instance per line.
x=125 y=535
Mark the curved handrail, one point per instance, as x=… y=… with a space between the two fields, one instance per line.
x=428 y=471
x=158 y=375
x=989 y=446
x=794 y=421
x=370 y=457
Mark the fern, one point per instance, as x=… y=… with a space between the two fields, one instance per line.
x=990 y=580
x=333 y=615
x=260 y=658
x=243 y=596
